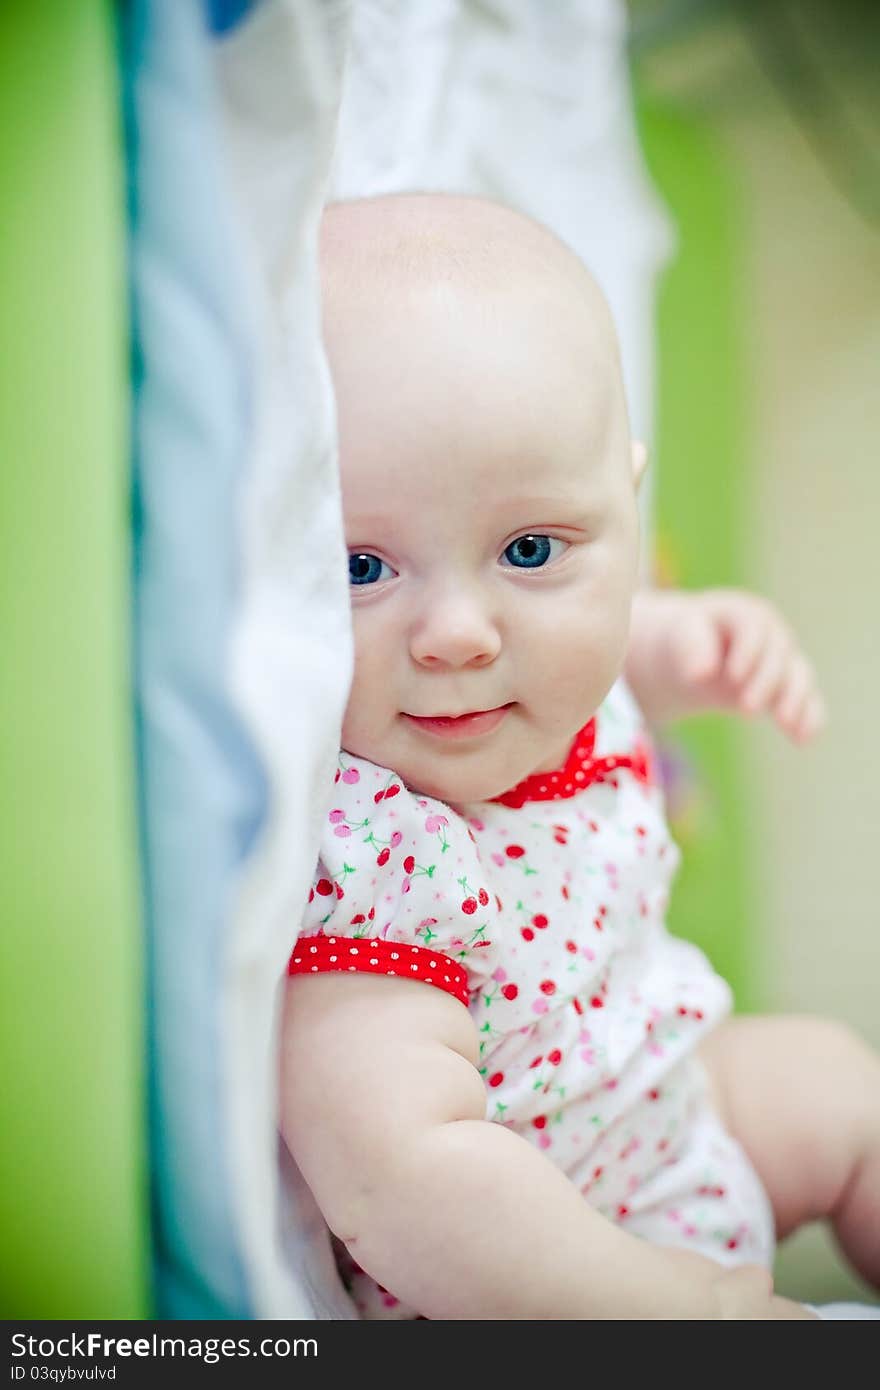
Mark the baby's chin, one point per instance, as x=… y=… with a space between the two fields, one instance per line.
x=455 y=780
x=458 y=790
x=454 y=788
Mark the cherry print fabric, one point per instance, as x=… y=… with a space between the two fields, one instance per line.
x=543 y=911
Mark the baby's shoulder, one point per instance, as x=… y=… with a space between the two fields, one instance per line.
x=399 y=866
x=371 y=802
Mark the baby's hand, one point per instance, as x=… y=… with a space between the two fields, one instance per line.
x=721 y=649
x=743 y=1293
x=746 y=1294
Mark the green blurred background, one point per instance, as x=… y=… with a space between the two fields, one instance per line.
x=761 y=127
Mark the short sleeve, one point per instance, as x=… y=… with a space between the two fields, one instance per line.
x=399 y=889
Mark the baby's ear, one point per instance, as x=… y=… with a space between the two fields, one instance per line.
x=639 y=462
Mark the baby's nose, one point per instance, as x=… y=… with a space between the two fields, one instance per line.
x=455 y=631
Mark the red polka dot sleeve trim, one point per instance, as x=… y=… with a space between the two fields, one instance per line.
x=313 y=955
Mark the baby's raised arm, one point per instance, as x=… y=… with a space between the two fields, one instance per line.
x=383 y=1109
x=720 y=649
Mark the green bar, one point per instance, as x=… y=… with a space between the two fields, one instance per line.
x=701 y=459
x=73 y=1206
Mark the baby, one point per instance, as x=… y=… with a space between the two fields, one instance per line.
x=512 y=1092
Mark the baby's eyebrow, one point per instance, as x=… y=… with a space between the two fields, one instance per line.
x=388 y=539
x=547 y=511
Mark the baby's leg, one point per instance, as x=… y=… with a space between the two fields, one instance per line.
x=802 y=1096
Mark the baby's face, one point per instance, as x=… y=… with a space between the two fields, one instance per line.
x=491 y=523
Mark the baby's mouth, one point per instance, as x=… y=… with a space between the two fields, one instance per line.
x=456 y=726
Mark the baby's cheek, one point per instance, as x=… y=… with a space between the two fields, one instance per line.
x=361 y=734
x=372 y=691
x=588 y=658
x=364 y=698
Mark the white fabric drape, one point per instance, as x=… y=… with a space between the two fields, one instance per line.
x=520 y=100
x=279 y=76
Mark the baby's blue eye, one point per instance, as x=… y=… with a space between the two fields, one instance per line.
x=367 y=569
x=531 y=552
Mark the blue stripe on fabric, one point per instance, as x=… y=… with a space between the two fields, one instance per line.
x=203 y=791
x=223 y=15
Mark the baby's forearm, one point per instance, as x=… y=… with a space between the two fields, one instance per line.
x=471 y=1222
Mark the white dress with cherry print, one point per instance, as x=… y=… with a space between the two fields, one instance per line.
x=543 y=912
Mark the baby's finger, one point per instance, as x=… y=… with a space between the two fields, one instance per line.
x=816 y=717
x=746 y=649
x=797 y=699
x=765 y=684
x=812 y=720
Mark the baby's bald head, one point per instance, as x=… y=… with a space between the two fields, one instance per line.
x=406 y=249
x=422 y=283
x=404 y=242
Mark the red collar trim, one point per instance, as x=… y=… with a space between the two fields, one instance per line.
x=579 y=771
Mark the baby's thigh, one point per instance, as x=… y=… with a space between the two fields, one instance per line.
x=802 y=1096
